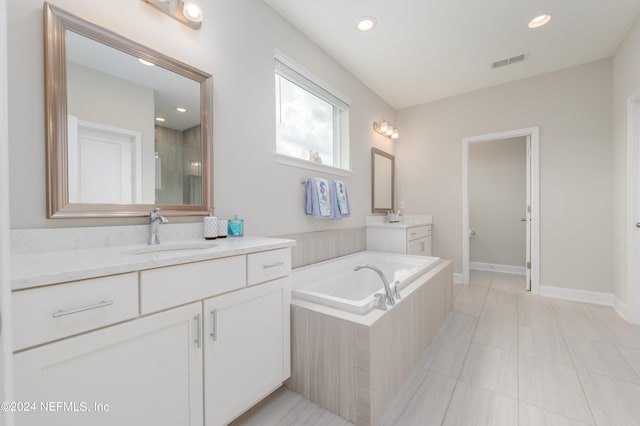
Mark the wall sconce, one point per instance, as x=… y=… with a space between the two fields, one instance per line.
x=189 y=12
x=386 y=129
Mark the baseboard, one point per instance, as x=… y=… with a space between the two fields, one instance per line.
x=575 y=295
x=457 y=278
x=506 y=269
x=621 y=308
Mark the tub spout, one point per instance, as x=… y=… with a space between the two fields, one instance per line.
x=387 y=289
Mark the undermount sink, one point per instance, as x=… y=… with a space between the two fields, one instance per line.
x=170 y=247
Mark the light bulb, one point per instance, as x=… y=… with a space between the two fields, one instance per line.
x=390 y=130
x=192 y=10
x=395 y=134
x=383 y=126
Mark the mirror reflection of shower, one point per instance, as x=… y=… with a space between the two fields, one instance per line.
x=178 y=166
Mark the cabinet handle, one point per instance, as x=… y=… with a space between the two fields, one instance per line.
x=198 y=340
x=102 y=304
x=273 y=265
x=214 y=325
x=423 y=247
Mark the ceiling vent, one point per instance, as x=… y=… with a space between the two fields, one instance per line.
x=509 y=61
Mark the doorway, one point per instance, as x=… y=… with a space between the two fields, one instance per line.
x=531 y=210
x=632 y=222
x=497 y=204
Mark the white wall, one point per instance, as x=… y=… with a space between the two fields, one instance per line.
x=235 y=45
x=497 y=201
x=626 y=79
x=573 y=109
x=6 y=375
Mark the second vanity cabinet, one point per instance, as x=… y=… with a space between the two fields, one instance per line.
x=399 y=238
x=209 y=342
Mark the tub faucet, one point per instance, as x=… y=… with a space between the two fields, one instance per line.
x=154 y=221
x=387 y=289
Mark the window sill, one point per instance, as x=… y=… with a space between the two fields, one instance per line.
x=304 y=164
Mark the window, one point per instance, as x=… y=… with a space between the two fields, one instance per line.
x=312 y=119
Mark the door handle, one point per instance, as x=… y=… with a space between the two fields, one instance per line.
x=524 y=219
x=638 y=225
x=214 y=325
x=198 y=339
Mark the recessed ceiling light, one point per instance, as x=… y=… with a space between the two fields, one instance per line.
x=147 y=63
x=160 y=119
x=180 y=109
x=366 y=23
x=539 y=21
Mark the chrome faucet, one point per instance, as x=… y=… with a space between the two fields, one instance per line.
x=154 y=220
x=387 y=289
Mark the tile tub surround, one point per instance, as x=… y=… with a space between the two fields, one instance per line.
x=318 y=246
x=355 y=364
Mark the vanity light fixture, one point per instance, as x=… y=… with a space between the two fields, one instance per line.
x=180 y=109
x=385 y=129
x=539 y=21
x=189 y=12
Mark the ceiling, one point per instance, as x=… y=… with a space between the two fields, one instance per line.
x=423 y=50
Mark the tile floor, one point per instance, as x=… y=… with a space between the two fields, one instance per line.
x=506 y=357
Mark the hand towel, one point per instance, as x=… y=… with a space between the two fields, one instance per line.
x=342 y=198
x=318 y=198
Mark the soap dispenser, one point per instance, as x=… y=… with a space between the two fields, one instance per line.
x=236 y=227
x=210 y=227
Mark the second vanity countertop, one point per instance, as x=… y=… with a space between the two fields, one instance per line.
x=407 y=221
x=39 y=269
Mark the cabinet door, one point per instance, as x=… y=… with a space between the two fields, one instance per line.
x=144 y=372
x=247 y=349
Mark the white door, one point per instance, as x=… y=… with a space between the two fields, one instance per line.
x=247 y=349
x=144 y=372
x=105 y=164
x=632 y=224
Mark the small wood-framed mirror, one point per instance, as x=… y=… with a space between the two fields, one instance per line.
x=128 y=128
x=382 y=181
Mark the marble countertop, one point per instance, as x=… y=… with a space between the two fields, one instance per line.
x=39 y=269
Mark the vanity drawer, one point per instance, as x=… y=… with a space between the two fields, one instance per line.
x=268 y=265
x=420 y=247
x=164 y=288
x=50 y=313
x=418 y=232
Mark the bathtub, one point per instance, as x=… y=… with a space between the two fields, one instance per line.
x=354 y=363
x=334 y=283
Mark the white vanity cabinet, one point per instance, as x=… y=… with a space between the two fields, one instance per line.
x=143 y=372
x=185 y=344
x=247 y=348
x=400 y=238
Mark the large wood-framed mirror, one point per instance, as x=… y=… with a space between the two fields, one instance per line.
x=128 y=128
x=382 y=181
